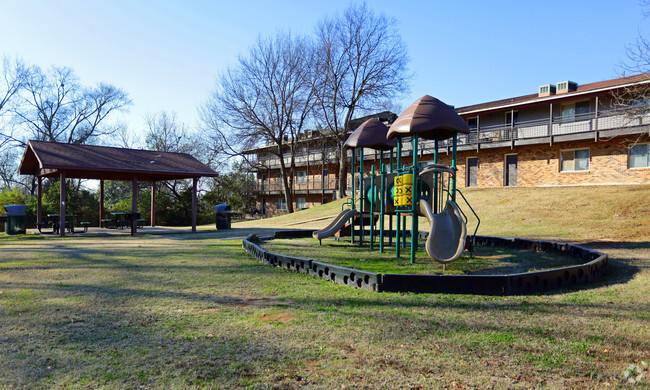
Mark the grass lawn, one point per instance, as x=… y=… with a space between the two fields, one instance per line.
x=483 y=261
x=194 y=311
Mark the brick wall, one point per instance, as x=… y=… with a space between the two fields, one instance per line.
x=539 y=165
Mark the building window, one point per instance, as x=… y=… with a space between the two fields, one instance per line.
x=575 y=111
x=301 y=177
x=574 y=160
x=472 y=123
x=640 y=156
x=471 y=172
x=282 y=204
x=509 y=117
x=301 y=203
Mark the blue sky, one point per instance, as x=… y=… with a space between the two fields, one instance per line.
x=167 y=54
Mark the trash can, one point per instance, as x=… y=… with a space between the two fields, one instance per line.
x=224 y=215
x=15 y=223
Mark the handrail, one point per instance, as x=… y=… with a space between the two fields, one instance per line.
x=473 y=212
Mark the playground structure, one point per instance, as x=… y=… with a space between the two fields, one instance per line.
x=401 y=190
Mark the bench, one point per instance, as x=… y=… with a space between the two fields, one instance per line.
x=108 y=223
x=85 y=226
x=141 y=222
x=39 y=226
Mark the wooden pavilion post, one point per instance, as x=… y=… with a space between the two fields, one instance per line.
x=134 y=205
x=101 y=203
x=194 y=186
x=39 y=201
x=62 y=204
x=153 y=204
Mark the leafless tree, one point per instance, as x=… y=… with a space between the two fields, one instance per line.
x=635 y=100
x=166 y=133
x=57 y=108
x=265 y=99
x=361 y=63
x=14 y=77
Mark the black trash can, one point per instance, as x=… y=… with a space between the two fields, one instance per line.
x=15 y=223
x=224 y=215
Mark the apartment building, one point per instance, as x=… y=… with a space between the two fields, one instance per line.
x=564 y=134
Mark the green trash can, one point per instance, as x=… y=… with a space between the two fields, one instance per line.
x=224 y=215
x=15 y=223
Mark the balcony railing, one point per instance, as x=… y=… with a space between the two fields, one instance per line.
x=329 y=184
x=302 y=159
x=558 y=125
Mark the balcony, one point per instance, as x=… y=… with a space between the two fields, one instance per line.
x=580 y=126
x=307 y=187
x=605 y=123
x=314 y=157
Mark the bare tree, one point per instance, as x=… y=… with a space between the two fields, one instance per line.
x=361 y=62
x=14 y=77
x=635 y=100
x=166 y=133
x=57 y=108
x=265 y=99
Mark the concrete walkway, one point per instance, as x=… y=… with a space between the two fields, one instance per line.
x=202 y=232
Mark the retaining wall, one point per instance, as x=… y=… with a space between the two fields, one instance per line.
x=513 y=284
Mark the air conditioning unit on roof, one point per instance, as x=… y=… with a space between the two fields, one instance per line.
x=546 y=90
x=566 y=86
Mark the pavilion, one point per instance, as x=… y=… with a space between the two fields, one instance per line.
x=59 y=160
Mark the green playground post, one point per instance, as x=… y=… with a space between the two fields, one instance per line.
x=434 y=190
x=352 y=202
x=397 y=228
x=390 y=218
x=453 y=168
x=416 y=196
x=381 y=205
x=372 y=198
x=361 y=197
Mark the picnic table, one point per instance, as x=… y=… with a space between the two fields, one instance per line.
x=53 y=220
x=122 y=220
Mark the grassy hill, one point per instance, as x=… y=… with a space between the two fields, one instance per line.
x=574 y=214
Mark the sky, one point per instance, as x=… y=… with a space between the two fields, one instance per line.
x=167 y=55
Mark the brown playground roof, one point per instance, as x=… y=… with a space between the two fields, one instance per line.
x=371 y=134
x=430 y=118
x=49 y=159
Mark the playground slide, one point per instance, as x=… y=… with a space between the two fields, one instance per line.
x=335 y=225
x=446 y=239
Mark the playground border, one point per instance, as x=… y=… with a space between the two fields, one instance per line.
x=511 y=284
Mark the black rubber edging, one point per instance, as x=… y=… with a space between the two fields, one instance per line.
x=511 y=284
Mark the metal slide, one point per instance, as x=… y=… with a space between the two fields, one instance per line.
x=336 y=225
x=446 y=240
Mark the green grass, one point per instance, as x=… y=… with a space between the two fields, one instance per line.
x=194 y=311
x=484 y=260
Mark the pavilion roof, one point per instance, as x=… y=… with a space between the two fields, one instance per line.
x=49 y=159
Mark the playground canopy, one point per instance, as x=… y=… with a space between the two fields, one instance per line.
x=371 y=134
x=430 y=118
x=52 y=159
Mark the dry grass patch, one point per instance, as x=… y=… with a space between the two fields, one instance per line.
x=193 y=311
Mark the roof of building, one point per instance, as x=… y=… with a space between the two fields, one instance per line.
x=385 y=117
x=49 y=159
x=590 y=88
